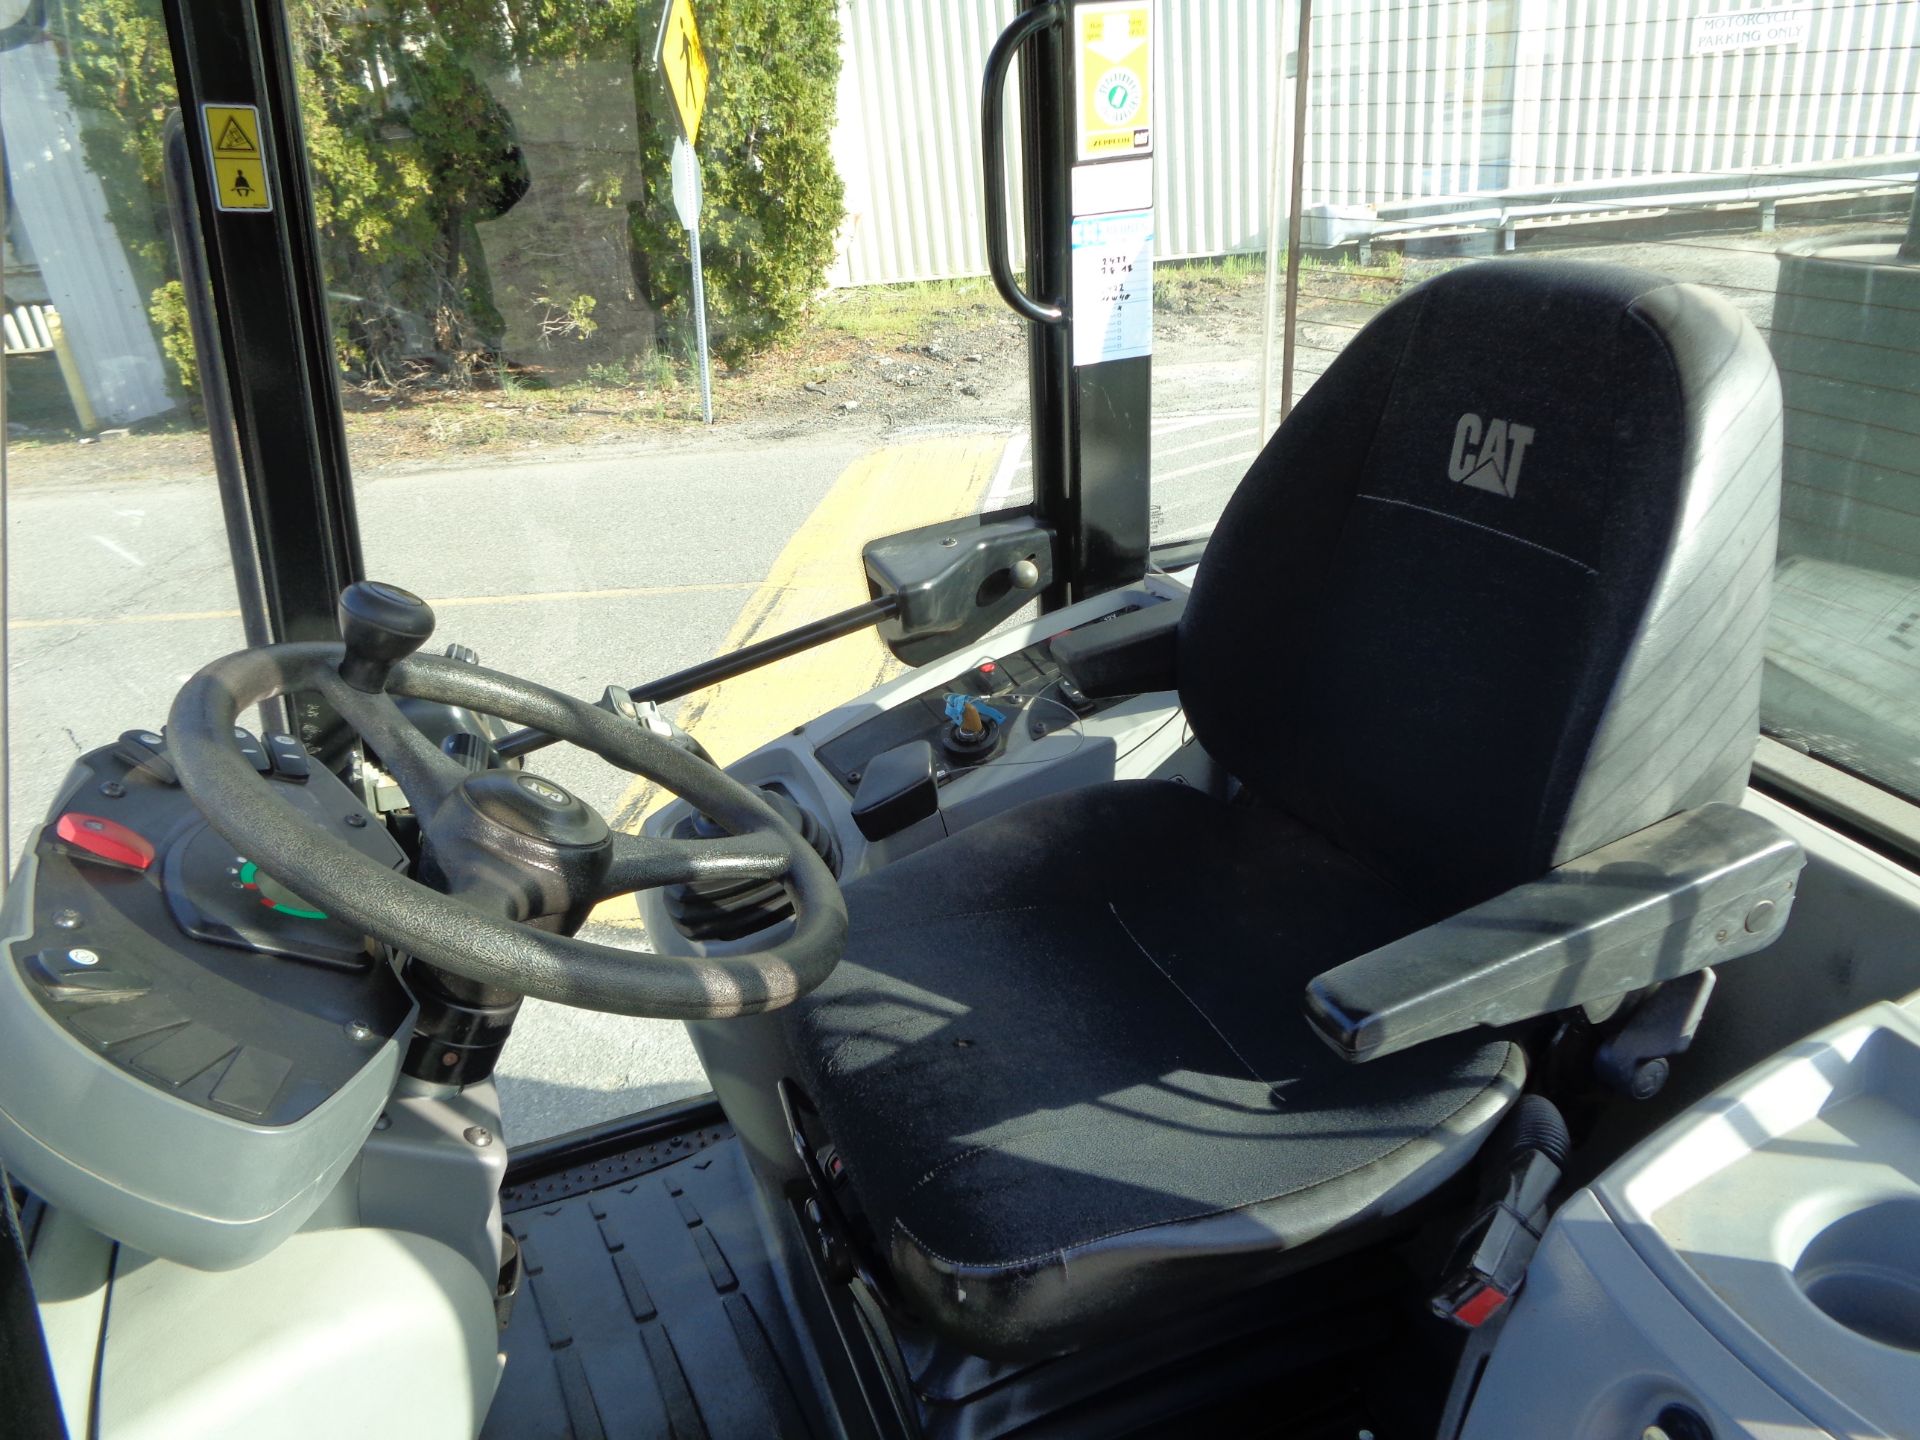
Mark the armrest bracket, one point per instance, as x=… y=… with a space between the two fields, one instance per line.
x=1702 y=887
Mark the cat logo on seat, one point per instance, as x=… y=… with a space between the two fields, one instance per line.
x=1487 y=453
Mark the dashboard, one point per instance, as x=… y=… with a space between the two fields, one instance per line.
x=1048 y=737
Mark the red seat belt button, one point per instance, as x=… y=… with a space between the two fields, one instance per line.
x=1480 y=1307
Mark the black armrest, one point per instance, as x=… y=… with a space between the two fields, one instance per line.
x=1705 y=886
x=1127 y=655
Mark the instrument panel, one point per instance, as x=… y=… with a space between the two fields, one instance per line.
x=184 y=965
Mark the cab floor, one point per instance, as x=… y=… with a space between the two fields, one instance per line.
x=648 y=1308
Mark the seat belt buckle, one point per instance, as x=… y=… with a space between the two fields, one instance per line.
x=1489 y=1263
x=1470 y=1301
x=1489 y=1267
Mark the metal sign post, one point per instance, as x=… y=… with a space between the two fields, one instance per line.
x=686 y=203
x=681 y=63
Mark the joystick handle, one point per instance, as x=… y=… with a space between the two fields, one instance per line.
x=382 y=625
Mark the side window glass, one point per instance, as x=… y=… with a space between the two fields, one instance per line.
x=118 y=585
x=1769 y=155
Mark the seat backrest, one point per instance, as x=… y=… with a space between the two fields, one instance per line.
x=1495 y=593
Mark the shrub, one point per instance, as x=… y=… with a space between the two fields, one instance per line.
x=168 y=309
x=773 y=198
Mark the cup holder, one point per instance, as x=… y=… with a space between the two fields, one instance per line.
x=1863 y=1271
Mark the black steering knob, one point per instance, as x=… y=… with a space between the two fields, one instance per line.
x=382 y=625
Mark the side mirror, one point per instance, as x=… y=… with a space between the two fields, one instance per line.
x=957 y=580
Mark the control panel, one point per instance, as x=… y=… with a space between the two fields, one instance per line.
x=997 y=708
x=181 y=962
x=187 y=1046
x=944 y=746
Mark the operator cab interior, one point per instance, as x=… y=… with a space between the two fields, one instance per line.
x=1351 y=977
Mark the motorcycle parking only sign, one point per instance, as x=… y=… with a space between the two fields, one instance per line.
x=1114 y=51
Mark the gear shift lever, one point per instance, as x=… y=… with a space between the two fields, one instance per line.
x=382 y=625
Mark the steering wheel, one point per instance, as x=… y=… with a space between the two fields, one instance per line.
x=510 y=863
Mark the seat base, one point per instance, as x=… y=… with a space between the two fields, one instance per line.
x=1294 y=1358
x=1065 y=1067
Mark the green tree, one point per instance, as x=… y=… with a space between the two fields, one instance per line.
x=410 y=146
x=774 y=201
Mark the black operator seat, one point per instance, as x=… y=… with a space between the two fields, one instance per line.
x=1491 y=599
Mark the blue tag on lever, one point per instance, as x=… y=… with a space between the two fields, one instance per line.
x=957 y=705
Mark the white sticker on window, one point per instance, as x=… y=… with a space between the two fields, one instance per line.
x=1113 y=185
x=1748 y=30
x=1112 y=287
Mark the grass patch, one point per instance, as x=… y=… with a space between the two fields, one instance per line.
x=891 y=314
x=1184 y=285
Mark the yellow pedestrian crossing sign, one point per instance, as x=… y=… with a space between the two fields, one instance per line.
x=683 y=65
x=239 y=168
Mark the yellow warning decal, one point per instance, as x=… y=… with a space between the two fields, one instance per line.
x=1114 y=56
x=239 y=169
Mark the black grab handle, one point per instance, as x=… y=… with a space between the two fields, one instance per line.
x=993 y=142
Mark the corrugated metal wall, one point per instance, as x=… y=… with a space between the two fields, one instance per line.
x=1408 y=100
x=1639 y=103
x=1453 y=97
x=60 y=204
x=908 y=141
x=1217 y=74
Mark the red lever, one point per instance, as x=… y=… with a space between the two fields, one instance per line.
x=106 y=840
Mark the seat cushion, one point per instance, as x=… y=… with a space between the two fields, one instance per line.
x=1065 y=1064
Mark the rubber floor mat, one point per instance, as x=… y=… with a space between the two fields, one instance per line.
x=648 y=1308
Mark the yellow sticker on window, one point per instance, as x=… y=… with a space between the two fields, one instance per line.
x=237 y=158
x=1113 y=47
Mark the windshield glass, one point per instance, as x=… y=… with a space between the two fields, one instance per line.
x=597 y=480
x=536 y=445
x=118 y=579
x=505 y=240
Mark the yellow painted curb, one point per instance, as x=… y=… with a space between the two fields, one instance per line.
x=817 y=574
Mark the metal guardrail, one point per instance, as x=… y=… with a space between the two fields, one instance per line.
x=1594 y=201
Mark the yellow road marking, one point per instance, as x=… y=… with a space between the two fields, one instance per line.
x=625 y=592
x=454 y=602
x=167 y=618
x=818 y=573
